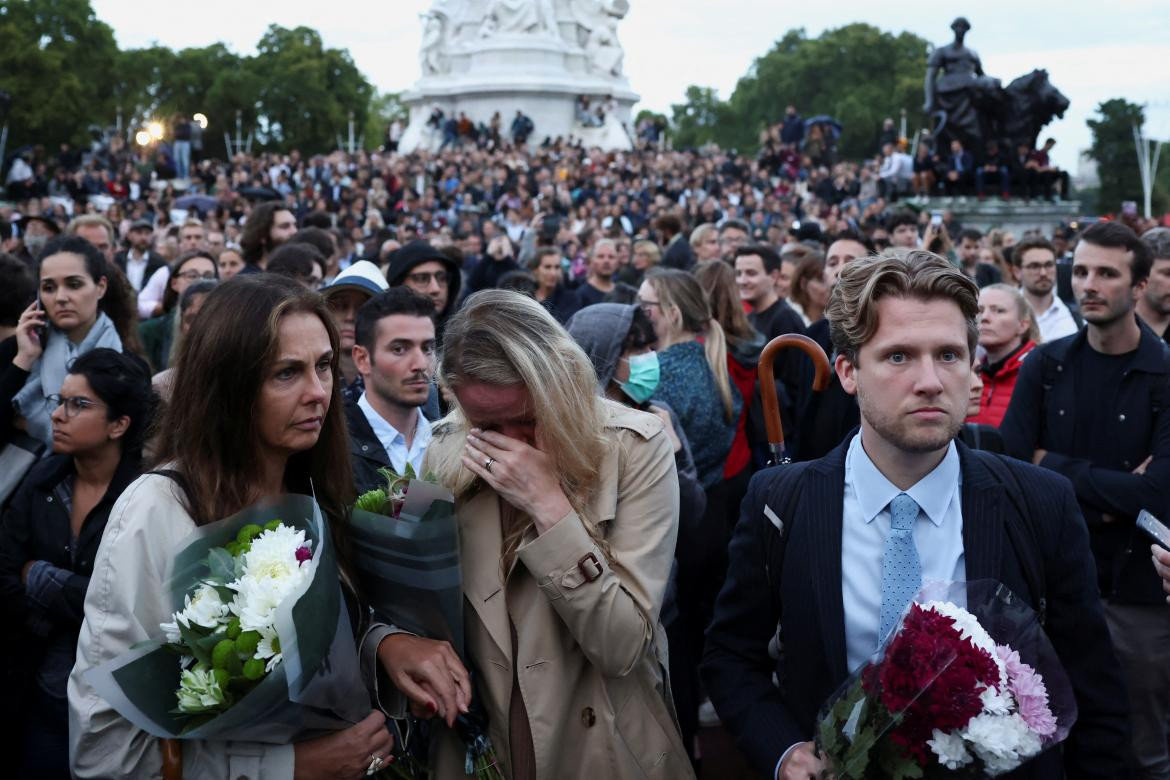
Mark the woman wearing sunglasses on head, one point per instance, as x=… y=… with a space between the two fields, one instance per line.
x=49 y=537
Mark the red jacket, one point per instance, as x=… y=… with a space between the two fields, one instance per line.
x=743 y=379
x=998 y=386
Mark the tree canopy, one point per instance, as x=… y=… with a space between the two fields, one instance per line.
x=857 y=74
x=64 y=72
x=1116 y=155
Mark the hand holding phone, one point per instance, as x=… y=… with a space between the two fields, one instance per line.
x=1155 y=528
x=31 y=333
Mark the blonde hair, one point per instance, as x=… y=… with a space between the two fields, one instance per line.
x=917 y=274
x=500 y=337
x=650 y=249
x=1024 y=311
x=684 y=303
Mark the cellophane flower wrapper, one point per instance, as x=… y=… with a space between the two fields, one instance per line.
x=968 y=685
x=408 y=565
x=316 y=689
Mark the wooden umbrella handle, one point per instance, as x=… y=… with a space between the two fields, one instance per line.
x=768 y=383
x=172 y=750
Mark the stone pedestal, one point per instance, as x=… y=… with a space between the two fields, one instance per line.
x=1017 y=216
x=471 y=69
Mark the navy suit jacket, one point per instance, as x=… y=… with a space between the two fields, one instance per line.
x=804 y=582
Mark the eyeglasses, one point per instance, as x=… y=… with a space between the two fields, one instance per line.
x=424 y=277
x=194 y=276
x=646 y=306
x=74 y=405
x=1039 y=266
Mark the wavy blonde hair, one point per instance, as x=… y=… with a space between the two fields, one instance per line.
x=500 y=337
x=686 y=306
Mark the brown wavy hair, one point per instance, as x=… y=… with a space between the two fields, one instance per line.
x=852 y=310
x=209 y=431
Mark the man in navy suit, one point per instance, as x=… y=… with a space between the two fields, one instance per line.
x=828 y=553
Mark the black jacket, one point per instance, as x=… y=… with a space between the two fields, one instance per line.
x=36 y=528
x=154 y=261
x=366 y=453
x=1043 y=414
x=802 y=578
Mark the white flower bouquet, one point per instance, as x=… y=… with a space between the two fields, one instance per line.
x=967 y=686
x=260 y=645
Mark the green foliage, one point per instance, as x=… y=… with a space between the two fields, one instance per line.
x=64 y=70
x=697 y=120
x=307 y=91
x=384 y=108
x=857 y=74
x=54 y=59
x=1116 y=155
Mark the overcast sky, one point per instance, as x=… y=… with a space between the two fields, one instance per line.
x=1091 y=55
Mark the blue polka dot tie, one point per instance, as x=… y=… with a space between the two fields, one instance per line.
x=901 y=567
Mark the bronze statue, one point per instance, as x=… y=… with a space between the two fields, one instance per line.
x=966 y=104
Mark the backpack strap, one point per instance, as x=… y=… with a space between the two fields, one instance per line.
x=1022 y=533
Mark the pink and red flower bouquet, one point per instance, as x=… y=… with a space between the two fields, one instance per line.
x=951 y=694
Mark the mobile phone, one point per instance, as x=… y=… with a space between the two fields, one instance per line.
x=42 y=331
x=936 y=218
x=1155 y=528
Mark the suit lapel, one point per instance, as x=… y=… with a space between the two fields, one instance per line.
x=825 y=502
x=480 y=546
x=983 y=535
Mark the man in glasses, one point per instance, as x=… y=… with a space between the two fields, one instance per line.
x=426 y=270
x=1034 y=263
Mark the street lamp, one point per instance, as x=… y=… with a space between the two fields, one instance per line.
x=201 y=120
x=155 y=129
x=142 y=138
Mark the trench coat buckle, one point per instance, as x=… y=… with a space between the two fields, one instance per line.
x=590 y=567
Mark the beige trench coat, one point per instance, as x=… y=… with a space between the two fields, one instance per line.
x=591 y=651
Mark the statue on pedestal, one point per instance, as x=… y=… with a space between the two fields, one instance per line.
x=966 y=104
x=524 y=17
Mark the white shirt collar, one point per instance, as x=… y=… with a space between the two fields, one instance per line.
x=932 y=493
x=388 y=435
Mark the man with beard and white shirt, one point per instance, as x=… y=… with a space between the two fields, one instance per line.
x=1034 y=264
x=139 y=261
x=394 y=352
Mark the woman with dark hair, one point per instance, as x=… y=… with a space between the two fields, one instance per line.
x=255 y=412
x=300 y=261
x=158 y=333
x=809 y=290
x=50 y=536
x=83 y=304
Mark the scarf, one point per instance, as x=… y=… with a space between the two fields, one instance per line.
x=48 y=374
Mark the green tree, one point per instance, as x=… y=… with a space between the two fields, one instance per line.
x=857 y=74
x=54 y=55
x=1116 y=155
x=697 y=120
x=307 y=90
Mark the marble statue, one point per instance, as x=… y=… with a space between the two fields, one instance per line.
x=524 y=17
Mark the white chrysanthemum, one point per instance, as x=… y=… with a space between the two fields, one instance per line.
x=997 y=701
x=171 y=630
x=269 y=648
x=274 y=554
x=1002 y=743
x=198 y=690
x=257 y=599
x=950 y=750
x=203 y=608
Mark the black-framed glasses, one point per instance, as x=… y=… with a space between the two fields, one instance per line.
x=74 y=405
x=194 y=276
x=646 y=306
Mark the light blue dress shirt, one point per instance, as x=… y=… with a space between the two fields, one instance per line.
x=938 y=535
x=395 y=443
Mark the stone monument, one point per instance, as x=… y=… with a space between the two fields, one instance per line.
x=539 y=57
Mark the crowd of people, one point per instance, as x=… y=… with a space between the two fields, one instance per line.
x=569 y=339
